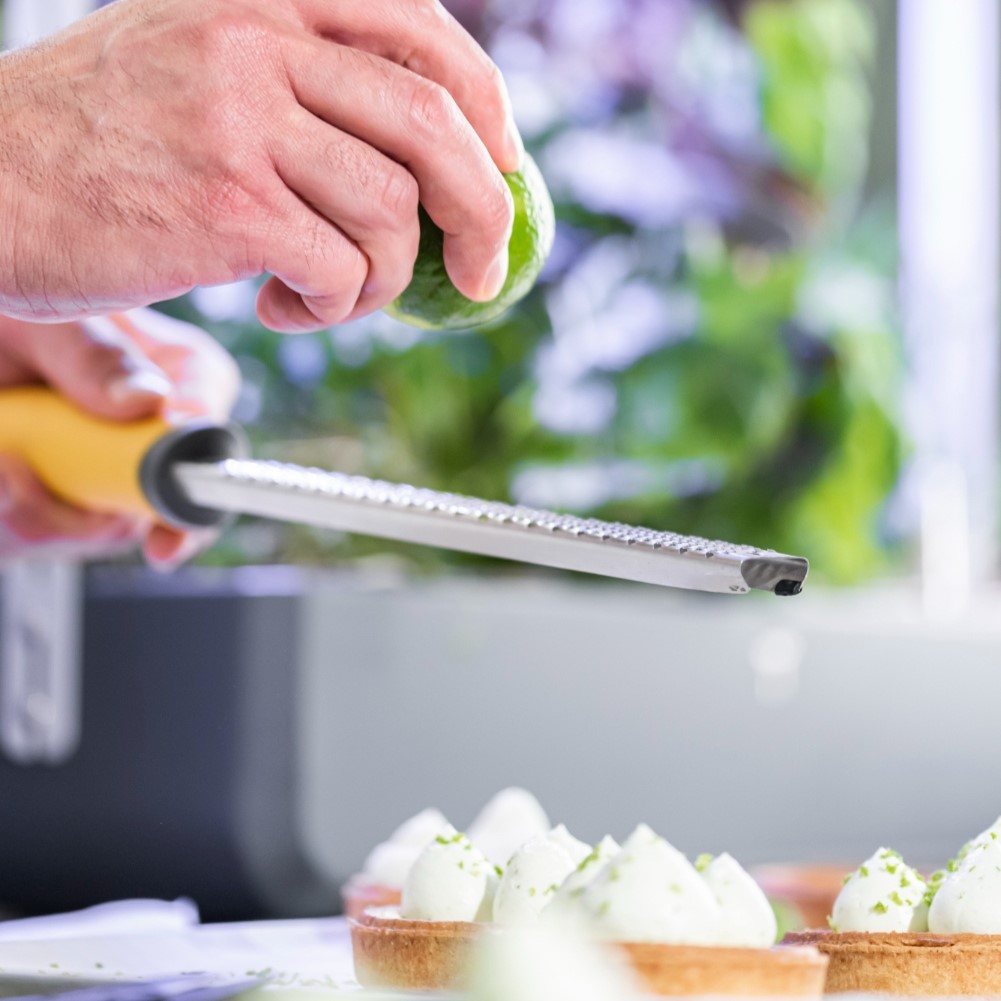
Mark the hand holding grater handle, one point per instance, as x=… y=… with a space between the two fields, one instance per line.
x=197 y=475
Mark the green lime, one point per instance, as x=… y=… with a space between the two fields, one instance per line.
x=433 y=302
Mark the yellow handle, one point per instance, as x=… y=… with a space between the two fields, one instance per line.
x=89 y=461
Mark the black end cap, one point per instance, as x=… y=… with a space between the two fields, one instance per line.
x=775 y=572
x=197 y=441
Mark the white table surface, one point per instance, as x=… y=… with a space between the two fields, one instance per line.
x=306 y=960
x=303 y=958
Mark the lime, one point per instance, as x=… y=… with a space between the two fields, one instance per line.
x=433 y=302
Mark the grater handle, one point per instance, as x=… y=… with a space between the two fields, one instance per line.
x=115 y=466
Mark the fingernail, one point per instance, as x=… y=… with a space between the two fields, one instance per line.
x=189 y=546
x=495 y=277
x=514 y=144
x=136 y=385
x=163 y=564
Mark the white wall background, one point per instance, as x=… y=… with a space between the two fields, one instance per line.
x=810 y=728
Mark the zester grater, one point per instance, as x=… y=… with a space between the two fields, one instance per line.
x=451 y=521
x=198 y=475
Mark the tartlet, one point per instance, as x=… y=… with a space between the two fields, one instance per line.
x=390 y=951
x=909 y=963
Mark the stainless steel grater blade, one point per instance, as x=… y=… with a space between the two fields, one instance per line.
x=410 y=514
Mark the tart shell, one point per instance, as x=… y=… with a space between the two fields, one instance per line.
x=686 y=970
x=390 y=951
x=910 y=963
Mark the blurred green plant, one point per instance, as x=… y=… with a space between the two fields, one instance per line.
x=712 y=348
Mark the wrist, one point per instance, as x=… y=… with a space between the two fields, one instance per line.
x=8 y=210
x=25 y=238
x=14 y=295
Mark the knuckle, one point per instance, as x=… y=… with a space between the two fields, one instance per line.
x=321 y=252
x=431 y=108
x=429 y=15
x=337 y=300
x=336 y=158
x=218 y=130
x=328 y=264
x=494 y=93
x=233 y=213
x=223 y=198
x=399 y=197
x=233 y=32
x=230 y=150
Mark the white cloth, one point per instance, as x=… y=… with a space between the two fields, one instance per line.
x=121 y=917
x=305 y=960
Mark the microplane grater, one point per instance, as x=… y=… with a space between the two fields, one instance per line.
x=411 y=514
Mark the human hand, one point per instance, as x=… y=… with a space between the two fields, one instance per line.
x=162 y=144
x=123 y=367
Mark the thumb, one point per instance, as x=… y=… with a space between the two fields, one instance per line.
x=99 y=369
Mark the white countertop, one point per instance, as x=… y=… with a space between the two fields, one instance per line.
x=305 y=960
x=302 y=957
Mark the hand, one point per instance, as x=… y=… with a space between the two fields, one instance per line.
x=123 y=367
x=162 y=144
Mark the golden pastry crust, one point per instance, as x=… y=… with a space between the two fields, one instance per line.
x=394 y=952
x=360 y=893
x=686 y=970
x=911 y=963
x=390 y=951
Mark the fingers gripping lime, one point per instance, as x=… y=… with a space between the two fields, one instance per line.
x=433 y=302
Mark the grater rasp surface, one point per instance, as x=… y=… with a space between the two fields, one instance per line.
x=452 y=521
